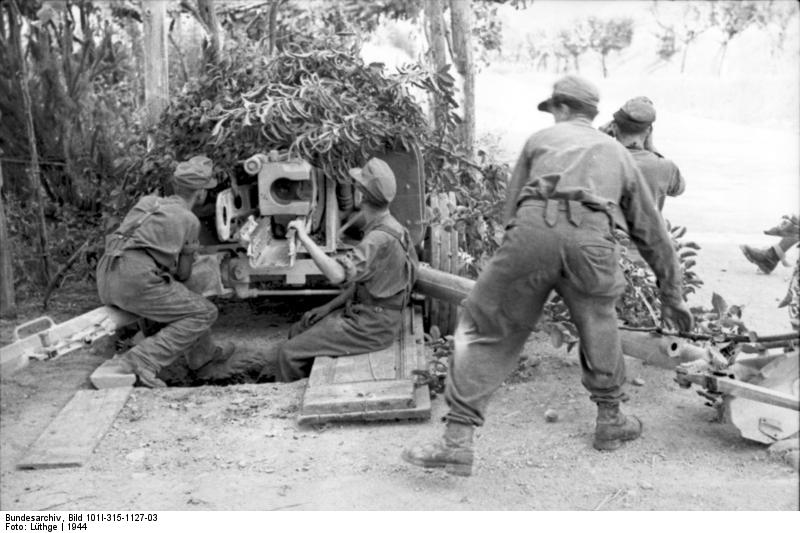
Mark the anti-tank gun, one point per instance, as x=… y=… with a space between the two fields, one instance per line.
x=244 y=226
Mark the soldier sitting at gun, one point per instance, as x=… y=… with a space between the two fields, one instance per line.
x=377 y=275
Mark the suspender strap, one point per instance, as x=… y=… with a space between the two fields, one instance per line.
x=136 y=225
x=124 y=237
x=401 y=237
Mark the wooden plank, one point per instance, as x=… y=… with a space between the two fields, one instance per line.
x=322 y=372
x=371 y=366
x=73 y=435
x=360 y=397
x=372 y=386
x=421 y=410
x=393 y=362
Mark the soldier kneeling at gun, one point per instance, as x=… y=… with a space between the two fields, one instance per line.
x=146 y=262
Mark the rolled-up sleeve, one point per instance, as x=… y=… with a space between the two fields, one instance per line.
x=359 y=263
x=677 y=184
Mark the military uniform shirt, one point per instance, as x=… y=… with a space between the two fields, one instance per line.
x=660 y=174
x=169 y=228
x=597 y=171
x=378 y=262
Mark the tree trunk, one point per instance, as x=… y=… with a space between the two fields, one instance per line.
x=461 y=21
x=156 y=72
x=603 y=63
x=437 y=53
x=8 y=304
x=175 y=28
x=208 y=17
x=34 y=169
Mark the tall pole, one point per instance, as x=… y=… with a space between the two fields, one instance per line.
x=8 y=305
x=156 y=72
x=461 y=21
x=437 y=52
x=34 y=171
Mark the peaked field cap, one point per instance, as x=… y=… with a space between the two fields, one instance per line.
x=195 y=173
x=639 y=110
x=377 y=179
x=574 y=87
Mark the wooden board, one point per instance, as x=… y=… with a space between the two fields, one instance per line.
x=72 y=436
x=373 y=386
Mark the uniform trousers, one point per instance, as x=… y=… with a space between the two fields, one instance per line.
x=572 y=253
x=132 y=282
x=351 y=330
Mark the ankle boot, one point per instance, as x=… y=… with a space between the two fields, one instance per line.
x=766 y=260
x=131 y=364
x=453 y=452
x=224 y=351
x=613 y=427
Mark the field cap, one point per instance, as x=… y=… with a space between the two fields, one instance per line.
x=636 y=113
x=575 y=88
x=376 y=180
x=195 y=173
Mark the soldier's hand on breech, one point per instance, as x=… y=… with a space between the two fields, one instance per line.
x=677 y=315
x=300 y=227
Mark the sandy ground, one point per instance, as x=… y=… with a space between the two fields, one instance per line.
x=239 y=447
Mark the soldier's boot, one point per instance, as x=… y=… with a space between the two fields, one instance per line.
x=453 y=452
x=223 y=352
x=788 y=227
x=132 y=364
x=217 y=367
x=766 y=259
x=613 y=427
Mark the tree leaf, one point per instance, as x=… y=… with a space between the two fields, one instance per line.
x=718 y=304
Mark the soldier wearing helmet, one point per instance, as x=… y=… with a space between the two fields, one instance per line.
x=377 y=276
x=143 y=270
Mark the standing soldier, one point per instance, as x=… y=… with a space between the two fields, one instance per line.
x=633 y=127
x=145 y=262
x=564 y=187
x=378 y=275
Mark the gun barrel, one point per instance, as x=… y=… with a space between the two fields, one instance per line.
x=660 y=350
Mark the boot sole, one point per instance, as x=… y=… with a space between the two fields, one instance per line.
x=615 y=444
x=607 y=445
x=756 y=262
x=456 y=469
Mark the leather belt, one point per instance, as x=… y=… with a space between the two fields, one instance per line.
x=552 y=206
